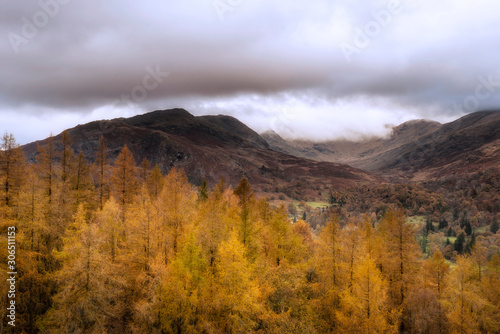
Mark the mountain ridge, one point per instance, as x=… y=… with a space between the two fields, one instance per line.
x=208 y=147
x=415 y=149
x=213 y=146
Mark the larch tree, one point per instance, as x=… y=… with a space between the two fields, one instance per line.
x=491 y=290
x=217 y=217
x=109 y=219
x=182 y=307
x=329 y=272
x=31 y=212
x=144 y=171
x=12 y=166
x=399 y=263
x=435 y=270
x=424 y=302
x=463 y=298
x=102 y=169
x=82 y=185
x=88 y=281
x=484 y=275
x=65 y=198
x=247 y=229
x=213 y=225
x=35 y=285
x=66 y=156
x=351 y=236
x=47 y=171
x=155 y=182
x=175 y=207
x=286 y=246
x=304 y=230
x=124 y=177
x=238 y=293
x=141 y=225
x=364 y=307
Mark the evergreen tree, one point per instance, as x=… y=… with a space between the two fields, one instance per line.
x=442 y=224
x=494 y=227
x=468 y=228
x=459 y=243
x=203 y=190
x=470 y=245
x=429 y=227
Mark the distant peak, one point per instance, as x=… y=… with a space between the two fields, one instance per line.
x=172 y=112
x=417 y=122
x=270 y=133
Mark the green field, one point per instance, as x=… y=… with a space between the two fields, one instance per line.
x=316 y=205
x=417 y=220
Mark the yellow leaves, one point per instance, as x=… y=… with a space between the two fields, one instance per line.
x=280 y=244
x=215 y=220
x=463 y=298
x=190 y=263
x=109 y=220
x=435 y=270
x=401 y=252
x=328 y=254
x=232 y=263
x=239 y=292
x=175 y=206
x=364 y=309
x=124 y=177
x=232 y=266
x=88 y=281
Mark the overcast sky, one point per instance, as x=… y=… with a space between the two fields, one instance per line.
x=317 y=69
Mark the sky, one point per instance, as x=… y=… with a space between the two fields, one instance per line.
x=316 y=69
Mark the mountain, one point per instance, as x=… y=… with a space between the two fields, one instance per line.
x=356 y=153
x=415 y=150
x=467 y=145
x=209 y=147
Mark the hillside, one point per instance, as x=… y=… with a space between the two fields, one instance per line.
x=414 y=150
x=209 y=147
x=356 y=153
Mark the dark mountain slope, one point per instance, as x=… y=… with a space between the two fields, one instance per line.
x=352 y=152
x=208 y=147
x=466 y=145
x=415 y=149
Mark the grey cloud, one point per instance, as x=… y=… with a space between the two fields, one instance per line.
x=428 y=59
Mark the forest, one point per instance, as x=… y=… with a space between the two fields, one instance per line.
x=120 y=247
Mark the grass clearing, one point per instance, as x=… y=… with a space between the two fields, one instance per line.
x=417 y=220
x=316 y=205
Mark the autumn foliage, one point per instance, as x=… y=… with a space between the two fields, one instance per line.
x=117 y=248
